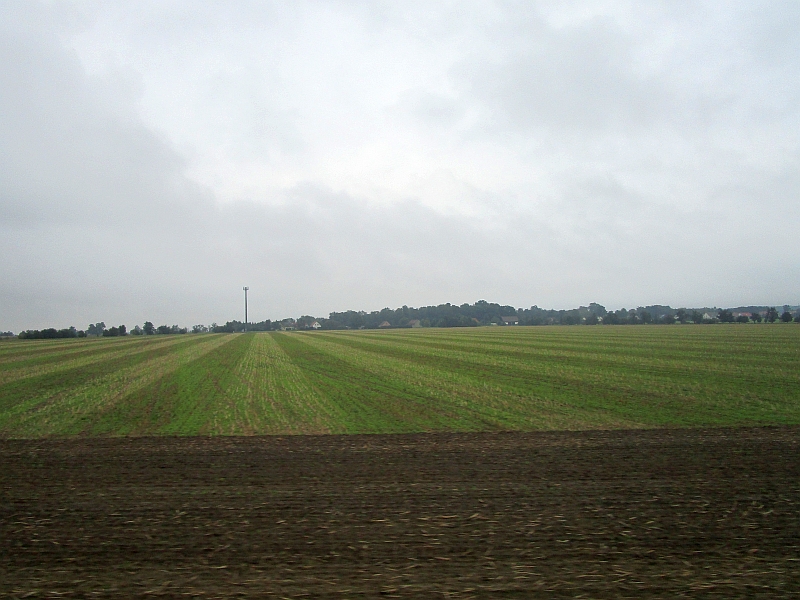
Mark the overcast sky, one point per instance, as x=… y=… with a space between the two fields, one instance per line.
x=155 y=157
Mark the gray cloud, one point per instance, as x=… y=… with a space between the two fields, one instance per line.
x=154 y=159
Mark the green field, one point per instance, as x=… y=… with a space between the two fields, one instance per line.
x=515 y=378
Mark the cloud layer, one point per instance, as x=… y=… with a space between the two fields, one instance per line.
x=155 y=158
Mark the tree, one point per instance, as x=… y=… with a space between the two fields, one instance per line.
x=725 y=316
x=772 y=314
x=786 y=317
x=136 y=330
x=682 y=315
x=305 y=322
x=756 y=317
x=149 y=329
x=742 y=319
x=96 y=329
x=45 y=334
x=697 y=317
x=597 y=309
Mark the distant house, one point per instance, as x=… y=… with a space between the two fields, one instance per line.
x=743 y=314
x=708 y=317
x=385 y=324
x=415 y=323
x=315 y=325
x=509 y=320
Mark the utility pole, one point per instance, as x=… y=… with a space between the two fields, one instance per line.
x=245 y=306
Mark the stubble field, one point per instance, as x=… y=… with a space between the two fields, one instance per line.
x=402 y=381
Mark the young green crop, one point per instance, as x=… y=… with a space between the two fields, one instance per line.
x=491 y=378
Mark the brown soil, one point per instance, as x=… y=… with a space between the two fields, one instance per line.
x=602 y=514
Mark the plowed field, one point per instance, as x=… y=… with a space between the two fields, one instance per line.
x=701 y=513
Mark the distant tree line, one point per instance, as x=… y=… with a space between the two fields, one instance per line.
x=480 y=313
x=488 y=313
x=50 y=334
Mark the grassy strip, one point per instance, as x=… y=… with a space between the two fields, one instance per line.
x=181 y=400
x=573 y=345
x=366 y=401
x=71 y=404
x=66 y=357
x=31 y=350
x=638 y=385
x=270 y=394
x=43 y=387
x=476 y=398
x=700 y=342
x=403 y=381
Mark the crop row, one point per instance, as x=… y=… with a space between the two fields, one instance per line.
x=402 y=381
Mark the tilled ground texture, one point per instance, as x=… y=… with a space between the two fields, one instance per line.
x=701 y=513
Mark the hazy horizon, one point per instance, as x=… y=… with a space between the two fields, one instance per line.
x=155 y=157
x=275 y=319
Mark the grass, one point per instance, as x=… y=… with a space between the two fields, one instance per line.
x=485 y=379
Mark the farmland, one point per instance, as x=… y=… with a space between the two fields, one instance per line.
x=402 y=381
x=170 y=466
x=598 y=514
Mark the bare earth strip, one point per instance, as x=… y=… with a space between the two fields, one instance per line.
x=612 y=514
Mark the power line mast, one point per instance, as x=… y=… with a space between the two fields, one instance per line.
x=245 y=307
